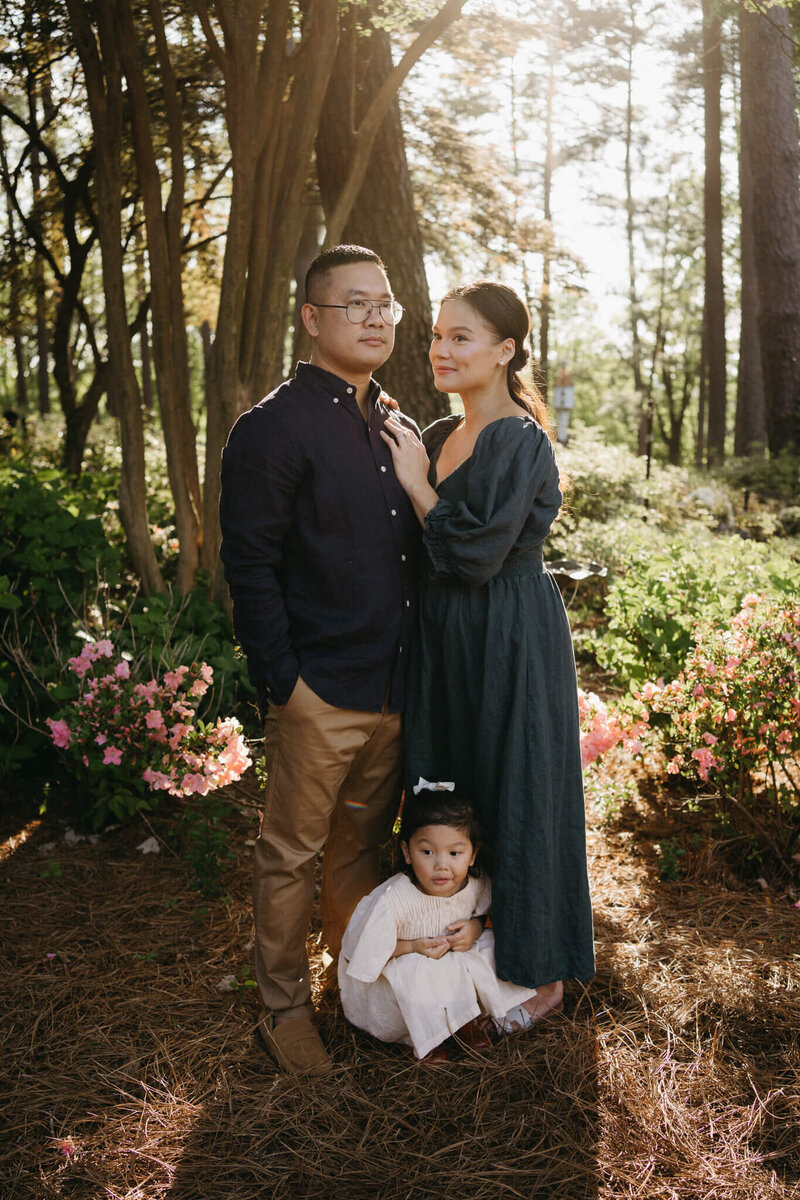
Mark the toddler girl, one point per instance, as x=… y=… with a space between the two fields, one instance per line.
x=417 y=964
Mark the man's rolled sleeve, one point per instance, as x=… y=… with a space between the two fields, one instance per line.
x=261 y=471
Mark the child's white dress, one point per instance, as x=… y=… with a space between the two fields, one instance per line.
x=414 y=999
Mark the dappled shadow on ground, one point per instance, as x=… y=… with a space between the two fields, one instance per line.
x=521 y=1121
x=128 y=1074
x=702 y=1050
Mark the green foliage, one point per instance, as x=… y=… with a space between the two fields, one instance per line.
x=669 y=859
x=51 y=546
x=652 y=611
x=205 y=843
x=731 y=717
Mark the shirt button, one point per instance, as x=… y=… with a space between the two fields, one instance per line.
x=402 y=558
x=383 y=469
x=394 y=512
x=408 y=604
x=400 y=651
x=349 y=391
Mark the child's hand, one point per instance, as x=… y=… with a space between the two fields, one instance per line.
x=432 y=947
x=462 y=935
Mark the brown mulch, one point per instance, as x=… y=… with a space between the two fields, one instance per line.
x=126 y=1073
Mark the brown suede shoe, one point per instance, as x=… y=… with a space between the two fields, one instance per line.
x=295 y=1045
x=475 y=1034
x=436 y=1057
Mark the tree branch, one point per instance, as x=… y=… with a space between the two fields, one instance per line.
x=364 y=138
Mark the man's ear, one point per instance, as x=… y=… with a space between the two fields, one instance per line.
x=310 y=319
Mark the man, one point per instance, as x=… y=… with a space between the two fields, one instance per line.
x=320 y=544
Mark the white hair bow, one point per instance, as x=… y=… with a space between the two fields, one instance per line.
x=425 y=785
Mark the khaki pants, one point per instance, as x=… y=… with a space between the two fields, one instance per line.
x=333 y=781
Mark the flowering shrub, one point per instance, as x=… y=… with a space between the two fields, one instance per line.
x=603 y=728
x=731 y=717
x=122 y=737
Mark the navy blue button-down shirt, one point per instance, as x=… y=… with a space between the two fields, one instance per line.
x=320 y=545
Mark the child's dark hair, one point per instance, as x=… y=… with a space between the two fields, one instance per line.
x=429 y=807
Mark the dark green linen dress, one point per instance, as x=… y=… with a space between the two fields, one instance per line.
x=492 y=701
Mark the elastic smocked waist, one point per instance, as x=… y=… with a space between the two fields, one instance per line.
x=529 y=563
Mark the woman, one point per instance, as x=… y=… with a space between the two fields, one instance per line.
x=493 y=694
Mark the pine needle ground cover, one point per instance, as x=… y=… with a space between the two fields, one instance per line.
x=127 y=1072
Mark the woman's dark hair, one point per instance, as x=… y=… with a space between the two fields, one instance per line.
x=507 y=315
x=430 y=807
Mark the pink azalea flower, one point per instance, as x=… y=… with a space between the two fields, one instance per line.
x=195 y=783
x=731 y=715
x=112 y=756
x=122 y=670
x=154 y=719
x=174 y=679
x=207 y=672
x=60 y=733
x=156 y=780
x=79 y=666
x=101 y=739
x=198 y=688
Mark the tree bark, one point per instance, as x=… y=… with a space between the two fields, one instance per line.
x=644 y=432
x=749 y=433
x=104 y=90
x=163 y=222
x=714 y=303
x=383 y=216
x=770 y=134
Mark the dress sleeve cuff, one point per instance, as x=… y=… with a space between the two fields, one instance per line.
x=435 y=539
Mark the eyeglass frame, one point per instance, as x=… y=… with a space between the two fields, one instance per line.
x=393 y=305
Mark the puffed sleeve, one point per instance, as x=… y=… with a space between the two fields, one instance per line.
x=371 y=935
x=512 y=468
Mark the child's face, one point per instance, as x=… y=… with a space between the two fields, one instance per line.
x=440 y=857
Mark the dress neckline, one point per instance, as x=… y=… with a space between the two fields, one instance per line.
x=436 y=481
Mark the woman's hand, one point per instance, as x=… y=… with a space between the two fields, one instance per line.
x=411 y=465
x=462 y=935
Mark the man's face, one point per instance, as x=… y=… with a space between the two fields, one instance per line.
x=346 y=349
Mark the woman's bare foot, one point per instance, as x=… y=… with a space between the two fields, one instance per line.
x=547 y=999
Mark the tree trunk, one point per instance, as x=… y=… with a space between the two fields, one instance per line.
x=750 y=433
x=714 y=305
x=644 y=432
x=545 y=300
x=104 y=90
x=770 y=135
x=383 y=216
x=163 y=222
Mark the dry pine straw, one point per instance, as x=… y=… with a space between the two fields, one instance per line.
x=673 y=1075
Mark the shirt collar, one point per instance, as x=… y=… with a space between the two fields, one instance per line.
x=308 y=373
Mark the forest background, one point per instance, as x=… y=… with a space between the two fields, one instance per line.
x=168 y=171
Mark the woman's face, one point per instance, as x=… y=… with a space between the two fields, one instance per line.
x=466 y=354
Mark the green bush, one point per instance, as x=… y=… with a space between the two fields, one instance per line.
x=61 y=582
x=51 y=550
x=651 y=611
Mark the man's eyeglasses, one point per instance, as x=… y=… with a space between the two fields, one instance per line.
x=359 y=311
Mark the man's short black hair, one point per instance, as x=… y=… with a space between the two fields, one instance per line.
x=338 y=256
